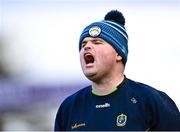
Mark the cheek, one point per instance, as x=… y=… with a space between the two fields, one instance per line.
x=107 y=58
x=81 y=57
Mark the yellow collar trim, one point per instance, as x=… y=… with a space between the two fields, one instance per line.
x=97 y=94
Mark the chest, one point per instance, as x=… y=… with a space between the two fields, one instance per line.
x=107 y=114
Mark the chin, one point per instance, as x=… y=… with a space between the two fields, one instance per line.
x=90 y=76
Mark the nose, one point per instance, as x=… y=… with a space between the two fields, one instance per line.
x=88 y=45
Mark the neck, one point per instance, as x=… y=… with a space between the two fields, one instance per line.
x=105 y=87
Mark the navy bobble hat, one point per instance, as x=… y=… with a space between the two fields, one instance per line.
x=112 y=30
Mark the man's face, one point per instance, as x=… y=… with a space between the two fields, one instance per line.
x=98 y=58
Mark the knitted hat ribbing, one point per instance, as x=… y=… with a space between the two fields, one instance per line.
x=111 y=30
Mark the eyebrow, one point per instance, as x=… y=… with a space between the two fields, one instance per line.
x=93 y=40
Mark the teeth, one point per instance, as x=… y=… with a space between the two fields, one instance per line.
x=87 y=54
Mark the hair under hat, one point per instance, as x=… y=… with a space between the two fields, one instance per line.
x=112 y=30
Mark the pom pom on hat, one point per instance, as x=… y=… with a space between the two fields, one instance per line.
x=115 y=16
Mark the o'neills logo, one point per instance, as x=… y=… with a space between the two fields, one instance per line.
x=103 y=105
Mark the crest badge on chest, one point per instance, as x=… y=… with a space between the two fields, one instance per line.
x=121 y=120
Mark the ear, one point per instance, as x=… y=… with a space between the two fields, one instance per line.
x=118 y=57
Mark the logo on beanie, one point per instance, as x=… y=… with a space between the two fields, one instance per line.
x=94 y=31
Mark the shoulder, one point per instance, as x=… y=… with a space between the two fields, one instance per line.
x=149 y=93
x=66 y=108
x=79 y=95
x=151 y=96
x=73 y=100
x=141 y=88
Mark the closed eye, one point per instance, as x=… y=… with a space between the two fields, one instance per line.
x=97 y=42
x=83 y=44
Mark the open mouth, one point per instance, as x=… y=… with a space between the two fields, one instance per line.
x=88 y=58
